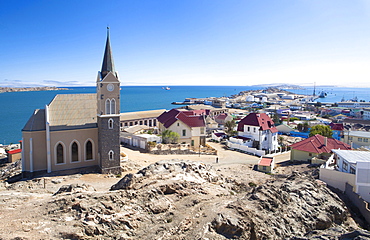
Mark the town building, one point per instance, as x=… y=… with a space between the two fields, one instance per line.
x=266 y=164
x=354 y=104
x=190 y=125
x=77 y=130
x=366 y=114
x=357 y=138
x=348 y=167
x=147 y=118
x=316 y=146
x=260 y=130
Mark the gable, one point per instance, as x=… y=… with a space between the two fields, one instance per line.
x=36 y=122
x=110 y=77
x=261 y=120
x=187 y=117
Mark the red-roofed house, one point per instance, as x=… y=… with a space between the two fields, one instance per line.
x=316 y=146
x=260 y=128
x=266 y=164
x=14 y=155
x=190 y=125
x=223 y=118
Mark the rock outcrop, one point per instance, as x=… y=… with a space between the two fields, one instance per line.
x=189 y=200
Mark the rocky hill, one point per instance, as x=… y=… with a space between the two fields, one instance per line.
x=182 y=200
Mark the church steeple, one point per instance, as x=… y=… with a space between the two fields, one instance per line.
x=108 y=64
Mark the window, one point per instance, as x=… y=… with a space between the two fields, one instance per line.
x=113 y=106
x=141 y=123
x=254 y=129
x=352 y=170
x=89 y=150
x=150 y=123
x=74 y=152
x=60 y=154
x=111 y=155
x=110 y=123
x=345 y=166
x=154 y=122
x=360 y=139
x=107 y=106
x=135 y=122
x=201 y=130
x=265 y=138
x=131 y=124
x=126 y=124
x=249 y=129
x=184 y=132
x=145 y=122
x=350 y=138
x=310 y=154
x=366 y=139
x=178 y=124
x=264 y=168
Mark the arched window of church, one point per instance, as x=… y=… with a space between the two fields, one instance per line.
x=74 y=151
x=89 y=150
x=110 y=123
x=111 y=155
x=60 y=154
x=113 y=106
x=107 y=106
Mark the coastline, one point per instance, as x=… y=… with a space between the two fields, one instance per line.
x=29 y=89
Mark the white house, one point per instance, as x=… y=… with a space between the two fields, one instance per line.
x=355 y=163
x=260 y=128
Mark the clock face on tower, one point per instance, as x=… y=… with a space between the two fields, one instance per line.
x=110 y=87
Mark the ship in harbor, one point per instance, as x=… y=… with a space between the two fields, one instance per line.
x=323 y=94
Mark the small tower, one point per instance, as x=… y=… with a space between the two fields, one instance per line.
x=108 y=114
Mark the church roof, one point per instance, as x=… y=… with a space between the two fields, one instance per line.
x=73 y=110
x=36 y=122
x=108 y=64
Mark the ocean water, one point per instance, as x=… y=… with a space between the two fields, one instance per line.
x=17 y=107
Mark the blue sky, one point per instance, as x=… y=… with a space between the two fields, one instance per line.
x=188 y=42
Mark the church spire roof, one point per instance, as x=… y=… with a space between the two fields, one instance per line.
x=108 y=64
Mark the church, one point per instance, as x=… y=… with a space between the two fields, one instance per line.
x=77 y=131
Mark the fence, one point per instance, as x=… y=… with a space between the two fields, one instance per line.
x=246 y=149
x=357 y=200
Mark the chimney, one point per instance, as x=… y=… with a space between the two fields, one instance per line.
x=326 y=141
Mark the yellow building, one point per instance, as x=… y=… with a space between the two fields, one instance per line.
x=190 y=125
x=315 y=146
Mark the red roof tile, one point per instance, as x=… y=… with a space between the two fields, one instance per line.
x=337 y=126
x=14 y=151
x=265 y=162
x=190 y=118
x=261 y=120
x=316 y=144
